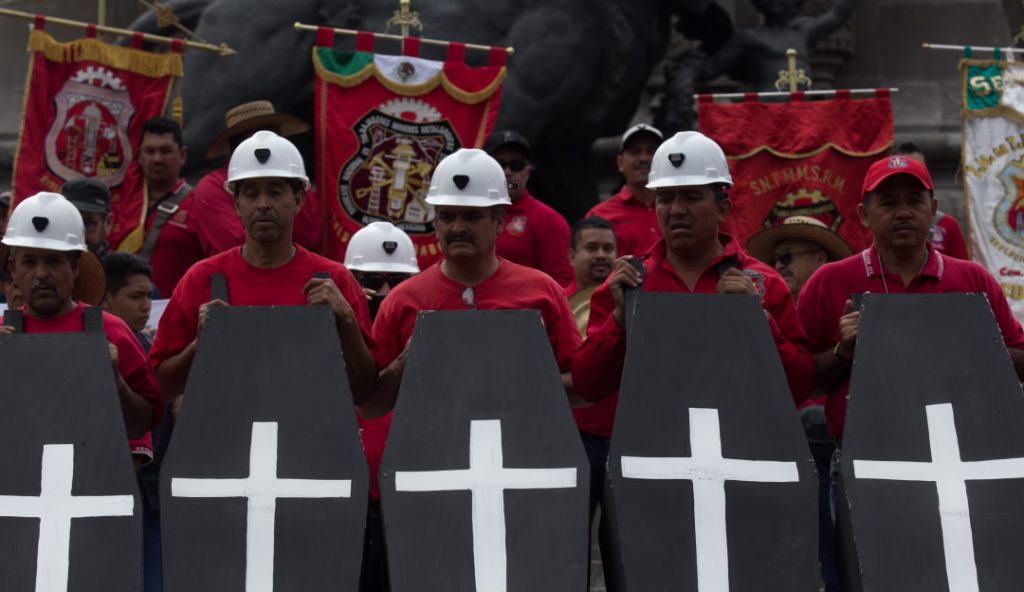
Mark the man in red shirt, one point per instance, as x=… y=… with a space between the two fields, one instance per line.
x=898 y=208
x=268 y=181
x=170 y=246
x=46 y=239
x=631 y=210
x=215 y=222
x=534 y=235
x=592 y=253
x=690 y=174
x=945 y=233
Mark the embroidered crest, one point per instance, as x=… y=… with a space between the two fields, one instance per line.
x=898 y=162
x=1008 y=217
x=758 y=279
x=516 y=226
x=813 y=204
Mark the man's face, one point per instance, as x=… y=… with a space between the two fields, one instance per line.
x=379 y=282
x=467 y=233
x=635 y=160
x=267 y=208
x=132 y=302
x=689 y=217
x=97 y=227
x=796 y=260
x=593 y=256
x=517 y=169
x=899 y=213
x=160 y=159
x=45 y=279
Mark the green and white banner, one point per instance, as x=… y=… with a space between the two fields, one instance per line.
x=993 y=165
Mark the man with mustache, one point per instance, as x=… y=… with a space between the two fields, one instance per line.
x=534 y=234
x=267 y=179
x=46 y=238
x=797 y=248
x=899 y=208
x=631 y=210
x=592 y=252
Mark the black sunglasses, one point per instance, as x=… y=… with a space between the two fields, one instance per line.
x=375 y=281
x=515 y=165
x=786 y=257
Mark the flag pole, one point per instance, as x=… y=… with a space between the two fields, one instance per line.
x=352 y=32
x=809 y=93
x=221 y=49
x=960 y=48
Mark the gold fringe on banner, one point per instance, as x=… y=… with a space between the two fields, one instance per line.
x=154 y=65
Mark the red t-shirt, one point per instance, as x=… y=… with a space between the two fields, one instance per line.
x=131 y=357
x=948 y=238
x=249 y=286
x=511 y=287
x=177 y=248
x=823 y=298
x=597 y=370
x=536 y=236
x=216 y=222
x=635 y=223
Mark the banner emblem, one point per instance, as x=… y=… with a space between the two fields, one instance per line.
x=805 y=203
x=1008 y=218
x=88 y=137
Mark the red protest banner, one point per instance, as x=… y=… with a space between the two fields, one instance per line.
x=85 y=103
x=799 y=158
x=382 y=123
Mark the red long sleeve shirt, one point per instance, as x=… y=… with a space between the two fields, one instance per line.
x=635 y=223
x=597 y=369
x=536 y=236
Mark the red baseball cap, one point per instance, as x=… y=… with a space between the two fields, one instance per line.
x=897 y=164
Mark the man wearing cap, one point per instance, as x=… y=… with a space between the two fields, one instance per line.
x=899 y=208
x=170 y=246
x=268 y=181
x=535 y=235
x=92 y=199
x=689 y=174
x=215 y=222
x=48 y=261
x=945 y=234
x=631 y=210
x=797 y=248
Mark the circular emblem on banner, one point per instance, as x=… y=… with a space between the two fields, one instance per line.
x=1008 y=218
x=89 y=135
x=388 y=176
x=805 y=203
x=404 y=71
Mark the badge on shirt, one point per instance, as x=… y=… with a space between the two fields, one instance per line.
x=758 y=280
x=516 y=226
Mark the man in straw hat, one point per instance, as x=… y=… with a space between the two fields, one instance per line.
x=213 y=216
x=797 y=248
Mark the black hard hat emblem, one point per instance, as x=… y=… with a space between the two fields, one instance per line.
x=263 y=155
x=461 y=181
x=677 y=158
x=40 y=222
x=389 y=246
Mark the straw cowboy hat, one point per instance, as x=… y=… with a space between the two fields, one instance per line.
x=799 y=228
x=253 y=116
x=91 y=284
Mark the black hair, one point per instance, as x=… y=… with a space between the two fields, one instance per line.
x=121 y=266
x=159 y=126
x=587 y=223
x=296 y=184
x=908 y=148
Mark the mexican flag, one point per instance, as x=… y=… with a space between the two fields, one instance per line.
x=383 y=122
x=85 y=103
x=993 y=170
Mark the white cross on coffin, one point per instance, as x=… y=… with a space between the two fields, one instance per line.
x=950 y=475
x=709 y=471
x=55 y=507
x=487 y=479
x=262 y=488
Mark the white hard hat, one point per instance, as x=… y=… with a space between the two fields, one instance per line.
x=688 y=158
x=46 y=221
x=381 y=247
x=468 y=177
x=265 y=154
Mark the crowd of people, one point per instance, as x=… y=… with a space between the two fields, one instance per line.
x=256 y=222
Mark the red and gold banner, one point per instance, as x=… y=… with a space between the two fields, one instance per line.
x=85 y=103
x=383 y=122
x=799 y=158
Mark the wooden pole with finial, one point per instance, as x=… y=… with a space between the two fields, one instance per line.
x=101 y=18
x=405 y=18
x=792 y=76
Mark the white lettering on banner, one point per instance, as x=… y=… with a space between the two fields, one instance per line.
x=262 y=488
x=709 y=471
x=55 y=507
x=487 y=479
x=950 y=475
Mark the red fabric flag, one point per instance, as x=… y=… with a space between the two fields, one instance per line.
x=799 y=159
x=383 y=122
x=85 y=103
